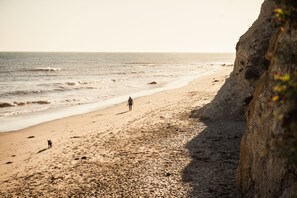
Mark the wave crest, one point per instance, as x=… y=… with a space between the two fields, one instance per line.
x=14 y=104
x=46 y=69
x=24 y=92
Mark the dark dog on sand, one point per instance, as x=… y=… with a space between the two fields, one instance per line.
x=49 y=144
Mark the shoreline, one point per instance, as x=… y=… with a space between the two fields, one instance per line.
x=48 y=115
x=108 y=144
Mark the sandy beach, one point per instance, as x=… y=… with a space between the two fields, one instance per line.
x=154 y=150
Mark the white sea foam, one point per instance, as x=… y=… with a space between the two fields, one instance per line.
x=46 y=69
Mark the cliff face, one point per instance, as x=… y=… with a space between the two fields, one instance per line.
x=250 y=64
x=261 y=173
x=247 y=95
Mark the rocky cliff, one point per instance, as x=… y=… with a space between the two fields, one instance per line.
x=247 y=95
x=261 y=172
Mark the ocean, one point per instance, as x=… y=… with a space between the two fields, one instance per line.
x=39 y=87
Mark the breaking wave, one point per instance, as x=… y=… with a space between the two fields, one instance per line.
x=14 y=104
x=24 y=92
x=63 y=87
x=46 y=69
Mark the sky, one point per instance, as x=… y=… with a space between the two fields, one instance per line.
x=125 y=25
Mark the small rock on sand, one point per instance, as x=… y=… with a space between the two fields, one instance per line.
x=152 y=83
x=75 y=137
x=31 y=137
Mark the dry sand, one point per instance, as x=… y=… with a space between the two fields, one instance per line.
x=155 y=150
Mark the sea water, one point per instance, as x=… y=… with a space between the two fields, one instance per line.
x=39 y=87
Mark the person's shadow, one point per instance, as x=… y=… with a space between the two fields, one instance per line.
x=122 y=113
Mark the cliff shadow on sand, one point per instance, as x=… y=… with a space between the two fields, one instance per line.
x=215 y=150
x=215 y=156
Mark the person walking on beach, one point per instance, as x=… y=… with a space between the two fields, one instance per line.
x=130 y=103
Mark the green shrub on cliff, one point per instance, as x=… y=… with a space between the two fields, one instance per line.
x=286 y=11
x=286 y=84
x=286 y=95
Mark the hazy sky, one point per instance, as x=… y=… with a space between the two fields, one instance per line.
x=125 y=25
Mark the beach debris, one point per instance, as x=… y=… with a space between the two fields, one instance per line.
x=9 y=162
x=76 y=158
x=31 y=137
x=215 y=81
x=13 y=155
x=84 y=158
x=75 y=137
x=227 y=65
x=152 y=83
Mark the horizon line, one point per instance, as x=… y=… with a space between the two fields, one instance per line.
x=206 y=52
